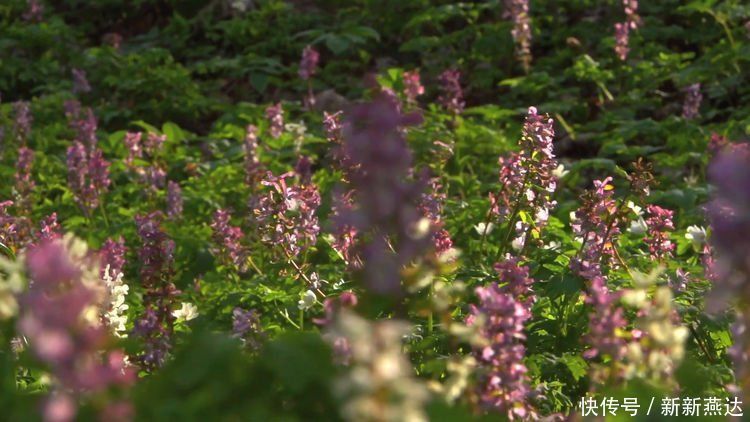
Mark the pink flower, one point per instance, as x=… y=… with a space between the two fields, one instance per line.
x=309 y=63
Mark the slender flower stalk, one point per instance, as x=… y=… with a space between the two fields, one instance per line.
x=308 y=66
x=528 y=181
x=518 y=10
x=253 y=168
x=24 y=185
x=80 y=82
x=659 y=223
x=275 y=116
x=112 y=255
x=412 y=86
x=692 y=104
x=23 y=120
x=452 y=95
x=729 y=214
x=155 y=326
x=174 y=200
x=385 y=211
x=500 y=317
x=227 y=239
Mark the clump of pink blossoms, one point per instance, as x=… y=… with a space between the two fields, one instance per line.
x=500 y=316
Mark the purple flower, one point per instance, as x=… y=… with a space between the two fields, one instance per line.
x=49 y=228
x=253 y=167
x=24 y=183
x=88 y=175
x=309 y=63
x=23 y=119
x=659 y=223
x=174 y=200
x=527 y=177
x=154 y=144
x=500 y=317
x=692 y=104
x=287 y=214
x=54 y=323
x=275 y=116
x=227 y=238
x=622 y=37
x=386 y=203
x=156 y=324
x=112 y=254
x=133 y=144
x=80 y=83
x=246 y=326
x=344 y=235
x=34 y=11
x=452 y=96
x=596 y=224
x=83 y=122
x=518 y=10
x=605 y=319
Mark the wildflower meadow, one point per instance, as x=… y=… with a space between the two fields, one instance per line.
x=374 y=210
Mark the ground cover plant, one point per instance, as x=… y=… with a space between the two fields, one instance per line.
x=374 y=210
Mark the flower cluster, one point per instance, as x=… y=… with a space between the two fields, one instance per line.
x=174 y=200
x=606 y=322
x=287 y=214
x=693 y=99
x=729 y=214
x=527 y=178
x=385 y=212
x=88 y=175
x=228 y=238
x=80 y=82
x=34 y=11
x=379 y=384
x=153 y=174
x=659 y=223
x=658 y=344
x=308 y=65
x=83 y=122
x=431 y=207
x=452 y=95
x=596 y=224
x=253 y=167
x=275 y=116
x=115 y=314
x=156 y=256
x=412 y=86
x=622 y=29
x=518 y=10
x=61 y=330
x=246 y=326
x=112 y=255
x=500 y=317
x=23 y=120
x=24 y=183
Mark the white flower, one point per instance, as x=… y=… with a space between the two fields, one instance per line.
x=484 y=228
x=115 y=317
x=635 y=208
x=517 y=243
x=187 y=312
x=307 y=301
x=560 y=171
x=638 y=227
x=697 y=235
x=552 y=245
x=542 y=215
